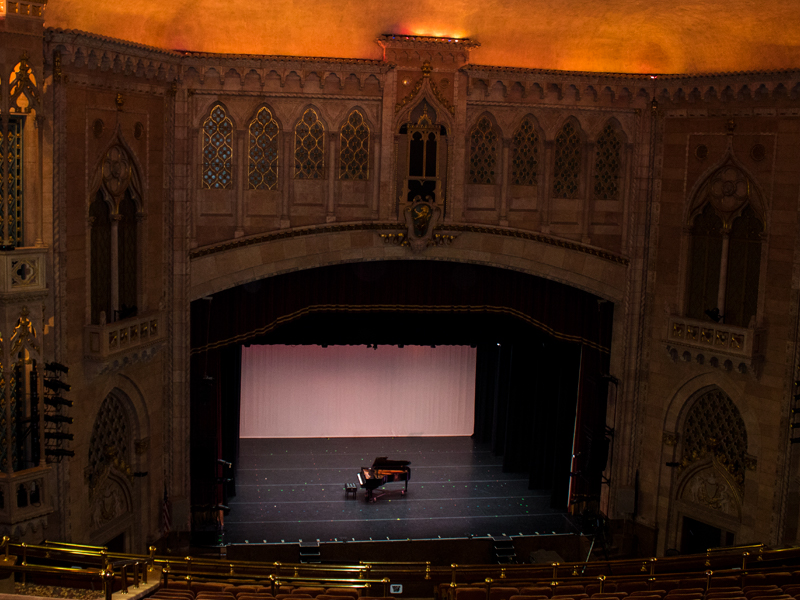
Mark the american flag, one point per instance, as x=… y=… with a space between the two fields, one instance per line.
x=166 y=510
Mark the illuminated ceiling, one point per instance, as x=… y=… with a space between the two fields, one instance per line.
x=635 y=36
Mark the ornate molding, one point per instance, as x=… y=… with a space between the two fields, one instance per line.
x=425 y=82
x=719 y=345
x=669 y=438
x=396 y=227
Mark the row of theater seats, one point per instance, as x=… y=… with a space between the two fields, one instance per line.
x=220 y=591
x=773 y=586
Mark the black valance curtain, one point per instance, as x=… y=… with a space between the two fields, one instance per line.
x=553 y=348
x=424 y=290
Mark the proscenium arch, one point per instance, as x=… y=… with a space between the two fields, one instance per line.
x=215 y=269
x=417 y=302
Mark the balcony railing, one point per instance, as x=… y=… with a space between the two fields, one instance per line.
x=25 y=495
x=719 y=345
x=112 y=340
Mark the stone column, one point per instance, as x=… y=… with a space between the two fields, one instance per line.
x=240 y=182
x=331 y=215
x=115 y=219
x=505 y=174
x=287 y=175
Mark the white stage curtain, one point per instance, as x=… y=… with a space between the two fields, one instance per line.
x=355 y=391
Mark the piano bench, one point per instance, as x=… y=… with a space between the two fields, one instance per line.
x=350 y=488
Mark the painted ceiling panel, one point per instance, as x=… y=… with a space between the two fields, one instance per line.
x=632 y=36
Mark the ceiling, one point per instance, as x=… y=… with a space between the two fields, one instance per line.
x=632 y=36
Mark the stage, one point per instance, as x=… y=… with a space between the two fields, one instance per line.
x=292 y=489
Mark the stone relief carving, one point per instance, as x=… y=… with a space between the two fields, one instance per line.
x=710 y=488
x=108 y=504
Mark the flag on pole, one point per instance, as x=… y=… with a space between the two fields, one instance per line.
x=166 y=510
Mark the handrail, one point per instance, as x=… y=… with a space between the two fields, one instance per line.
x=50 y=542
x=356 y=583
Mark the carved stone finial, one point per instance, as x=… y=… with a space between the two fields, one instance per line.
x=426 y=69
x=119 y=101
x=730 y=125
x=57 y=65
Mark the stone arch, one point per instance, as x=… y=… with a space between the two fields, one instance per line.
x=210 y=272
x=704 y=484
x=752 y=195
x=254 y=113
x=109 y=175
x=119 y=439
x=443 y=115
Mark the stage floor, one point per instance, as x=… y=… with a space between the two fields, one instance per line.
x=293 y=489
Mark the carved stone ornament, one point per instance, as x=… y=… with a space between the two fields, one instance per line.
x=117 y=171
x=711 y=487
x=670 y=439
x=421 y=218
x=109 y=503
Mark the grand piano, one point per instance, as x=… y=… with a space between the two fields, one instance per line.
x=381 y=472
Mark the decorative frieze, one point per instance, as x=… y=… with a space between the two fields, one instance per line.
x=111 y=345
x=719 y=345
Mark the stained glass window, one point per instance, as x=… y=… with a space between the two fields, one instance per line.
x=11 y=177
x=309 y=147
x=483 y=152
x=128 y=243
x=217 y=149
x=524 y=154
x=354 y=151
x=567 y=165
x=101 y=259
x=263 y=171
x=607 y=164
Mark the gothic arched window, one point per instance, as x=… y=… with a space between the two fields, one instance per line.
x=217 y=149
x=354 y=148
x=263 y=172
x=567 y=163
x=725 y=253
x=114 y=245
x=524 y=154
x=309 y=146
x=483 y=152
x=744 y=268
x=127 y=240
x=608 y=163
x=110 y=443
x=714 y=425
x=100 y=216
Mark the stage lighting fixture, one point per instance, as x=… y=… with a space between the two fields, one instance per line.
x=58 y=452
x=224 y=463
x=57 y=401
x=56 y=386
x=56 y=368
x=58 y=419
x=58 y=435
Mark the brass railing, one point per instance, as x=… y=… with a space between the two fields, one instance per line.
x=118 y=571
